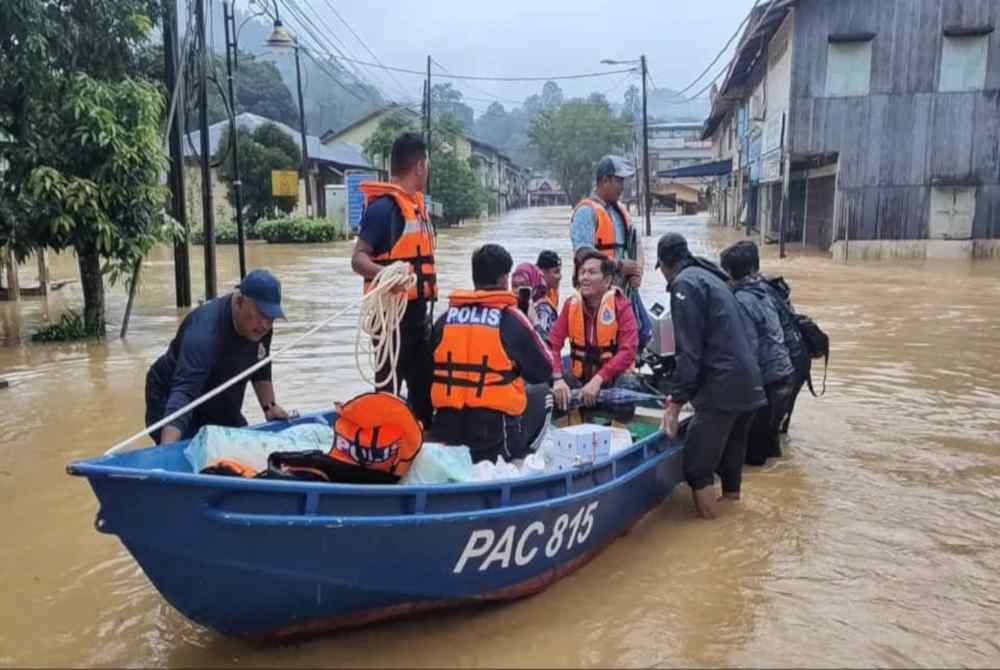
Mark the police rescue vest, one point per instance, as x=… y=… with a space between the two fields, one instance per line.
x=471 y=366
x=377 y=431
x=553 y=297
x=605 y=239
x=590 y=356
x=415 y=245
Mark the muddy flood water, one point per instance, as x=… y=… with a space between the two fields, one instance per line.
x=875 y=541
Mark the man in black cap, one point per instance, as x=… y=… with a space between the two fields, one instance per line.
x=601 y=222
x=716 y=371
x=214 y=343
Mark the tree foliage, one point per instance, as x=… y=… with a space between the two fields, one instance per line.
x=447 y=101
x=573 y=137
x=453 y=181
x=265 y=149
x=85 y=155
x=378 y=147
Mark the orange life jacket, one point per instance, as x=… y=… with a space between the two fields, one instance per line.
x=415 y=245
x=553 y=297
x=588 y=357
x=471 y=366
x=605 y=240
x=377 y=431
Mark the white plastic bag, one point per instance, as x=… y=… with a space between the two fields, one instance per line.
x=252 y=447
x=440 y=464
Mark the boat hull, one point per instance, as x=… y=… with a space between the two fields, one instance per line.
x=276 y=559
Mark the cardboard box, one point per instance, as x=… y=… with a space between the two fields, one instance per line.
x=581 y=444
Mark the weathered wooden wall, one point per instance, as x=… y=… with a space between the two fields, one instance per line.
x=894 y=142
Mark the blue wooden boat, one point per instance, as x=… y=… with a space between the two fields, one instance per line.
x=275 y=559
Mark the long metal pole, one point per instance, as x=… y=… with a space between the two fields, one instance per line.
x=647 y=199
x=178 y=206
x=430 y=122
x=302 y=124
x=208 y=216
x=229 y=17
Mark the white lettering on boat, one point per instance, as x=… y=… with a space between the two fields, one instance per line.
x=568 y=531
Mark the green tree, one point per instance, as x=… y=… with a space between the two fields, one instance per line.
x=447 y=100
x=378 y=147
x=265 y=149
x=632 y=109
x=86 y=156
x=572 y=138
x=453 y=181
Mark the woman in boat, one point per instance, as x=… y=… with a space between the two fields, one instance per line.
x=601 y=327
x=541 y=312
x=490 y=366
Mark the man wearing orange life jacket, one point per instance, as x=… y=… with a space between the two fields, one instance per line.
x=490 y=367
x=395 y=226
x=601 y=327
x=602 y=222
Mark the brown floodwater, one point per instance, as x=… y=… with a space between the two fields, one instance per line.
x=874 y=541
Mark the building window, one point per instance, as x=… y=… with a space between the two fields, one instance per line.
x=848 y=68
x=952 y=212
x=963 y=63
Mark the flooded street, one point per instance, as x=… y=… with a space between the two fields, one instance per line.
x=875 y=541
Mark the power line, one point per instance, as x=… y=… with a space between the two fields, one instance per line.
x=367 y=48
x=719 y=55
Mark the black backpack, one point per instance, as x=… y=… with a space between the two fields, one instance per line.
x=816 y=342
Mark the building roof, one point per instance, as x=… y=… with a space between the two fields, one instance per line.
x=712 y=169
x=553 y=186
x=339 y=153
x=330 y=134
x=761 y=27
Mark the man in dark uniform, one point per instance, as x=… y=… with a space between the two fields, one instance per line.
x=214 y=343
x=716 y=371
x=395 y=226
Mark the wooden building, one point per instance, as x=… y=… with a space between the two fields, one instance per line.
x=868 y=128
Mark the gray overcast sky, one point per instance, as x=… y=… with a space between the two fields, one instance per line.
x=533 y=37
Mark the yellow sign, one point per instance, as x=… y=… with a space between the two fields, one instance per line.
x=285 y=183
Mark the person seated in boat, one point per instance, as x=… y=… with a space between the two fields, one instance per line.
x=601 y=328
x=490 y=366
x=716 y=371
x=540 y=311
x=214 y=343
x=741 y=261
x=551 y=266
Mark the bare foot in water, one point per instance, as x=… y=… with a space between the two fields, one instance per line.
x=732 y=497
x=705 y=502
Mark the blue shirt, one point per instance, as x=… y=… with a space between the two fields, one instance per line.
x=206 y=352
x=583 y=227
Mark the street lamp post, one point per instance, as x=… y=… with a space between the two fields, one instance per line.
x=646 y=195
x=229 y=18
x=281 y=39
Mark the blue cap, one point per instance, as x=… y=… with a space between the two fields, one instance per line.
x=265 y=289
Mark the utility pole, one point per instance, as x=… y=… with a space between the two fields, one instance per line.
x=178 y=206
x=646 y=199
x=208 y=216
x=229 y=19
x=429 y=122
x=302 y=124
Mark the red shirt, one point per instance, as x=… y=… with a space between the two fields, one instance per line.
x=628 y=339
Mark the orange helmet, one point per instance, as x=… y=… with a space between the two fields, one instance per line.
x=377 y=431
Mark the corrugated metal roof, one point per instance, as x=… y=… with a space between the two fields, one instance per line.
x=339 y=153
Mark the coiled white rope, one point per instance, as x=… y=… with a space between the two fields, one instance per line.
x=378 y=339
x=377 y=303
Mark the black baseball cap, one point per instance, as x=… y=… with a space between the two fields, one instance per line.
x=671 y=248
x=548 y=259
x=614 y=166
x=265 y=290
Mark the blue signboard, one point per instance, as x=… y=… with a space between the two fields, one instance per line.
x=355 y=198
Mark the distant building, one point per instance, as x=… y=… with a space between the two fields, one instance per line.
x=504 y=182
x=867 y=128
x=546 y=192
x=327 y=163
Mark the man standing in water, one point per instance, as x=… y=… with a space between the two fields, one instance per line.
x=601 y=222
x=214 y=343
x=396 y=227
x=716 y=371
